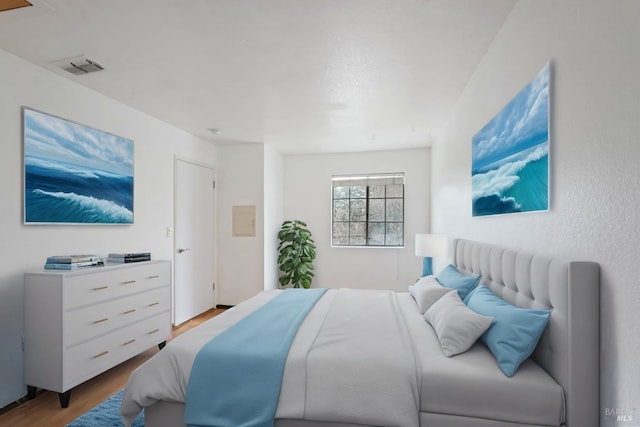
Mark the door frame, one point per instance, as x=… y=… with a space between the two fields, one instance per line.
x=177 y=158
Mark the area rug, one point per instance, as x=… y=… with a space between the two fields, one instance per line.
x=106 y=414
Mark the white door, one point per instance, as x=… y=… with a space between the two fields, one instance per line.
x=194 y=240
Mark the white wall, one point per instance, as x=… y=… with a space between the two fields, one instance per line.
x=595 y=153
x=307 y=189
x=241 y=260
x=273 y=213
x=26 y=247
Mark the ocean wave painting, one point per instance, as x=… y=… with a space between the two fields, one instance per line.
x=74 y=174
x=510 y=155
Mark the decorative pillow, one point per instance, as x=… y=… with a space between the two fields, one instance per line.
x=412 y=290
x=427 y=292
x=450 y=277
x=424 y=279
x=457 y=326
x=515 y=331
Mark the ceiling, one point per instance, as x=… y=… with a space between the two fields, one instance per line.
x=305 y=76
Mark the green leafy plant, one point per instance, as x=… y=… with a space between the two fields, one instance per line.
x=297 y=253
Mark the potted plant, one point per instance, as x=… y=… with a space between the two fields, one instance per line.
x=296 y=254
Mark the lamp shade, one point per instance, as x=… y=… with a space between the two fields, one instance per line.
x=431 y=245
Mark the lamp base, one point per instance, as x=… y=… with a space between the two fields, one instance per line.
x=427 y=266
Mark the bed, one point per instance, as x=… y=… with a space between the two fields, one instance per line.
x=390 y=370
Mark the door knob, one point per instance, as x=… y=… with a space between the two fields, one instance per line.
x=180 y=250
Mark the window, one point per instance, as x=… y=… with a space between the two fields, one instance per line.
x=367 y=210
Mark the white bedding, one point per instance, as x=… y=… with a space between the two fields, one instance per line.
x=332 y=372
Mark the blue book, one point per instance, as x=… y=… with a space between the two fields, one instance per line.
x=73 y=266
x=70 y=259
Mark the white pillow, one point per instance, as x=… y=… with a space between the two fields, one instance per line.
x=457 y=326
x=427 y=292
x=423 y=279
x=426 y=279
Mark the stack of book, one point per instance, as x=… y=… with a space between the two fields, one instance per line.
x=73 y=262
x=129 y=257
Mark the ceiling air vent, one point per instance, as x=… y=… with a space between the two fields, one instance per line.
x=79 y=65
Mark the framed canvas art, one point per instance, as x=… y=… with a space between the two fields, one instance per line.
x=510 y=154
x=74 y=174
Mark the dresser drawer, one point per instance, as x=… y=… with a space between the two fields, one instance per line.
x=85 y=289
x=94 y=320
x=90 y=358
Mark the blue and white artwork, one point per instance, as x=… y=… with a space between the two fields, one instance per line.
x=74 y=174
x=510 y=155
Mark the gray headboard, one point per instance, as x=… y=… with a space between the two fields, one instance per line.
x=569 y=350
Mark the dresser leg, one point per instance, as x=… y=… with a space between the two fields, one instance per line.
x=161 y=345
x=31 y=392
x=64 y=398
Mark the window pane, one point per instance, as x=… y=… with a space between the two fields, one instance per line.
x=341 y=210
x=340 y=192
x=376 y=234
x=395 y=190
x=357 y=233
x=358 y=192
x=376 y=210
x=376 y=191
x=395 y=209
x=340 y=233
x=358 y=210
x=394 y=234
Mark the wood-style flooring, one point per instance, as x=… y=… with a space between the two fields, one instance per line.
x=44 y=410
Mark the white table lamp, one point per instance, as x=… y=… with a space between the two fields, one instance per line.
x=430 y=245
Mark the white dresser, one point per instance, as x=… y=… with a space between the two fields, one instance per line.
x=79 y=323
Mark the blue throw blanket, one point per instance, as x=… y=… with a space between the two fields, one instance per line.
x=245 y=363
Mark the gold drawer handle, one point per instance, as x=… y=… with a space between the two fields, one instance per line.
x=154 y=331
x=129 y=311
x=101 y=354
x=100 y=320
x=100 y=288
x=128 y=282
x=155 y=276
x=129 y=342
x=152 y=304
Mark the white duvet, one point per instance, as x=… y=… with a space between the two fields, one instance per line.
x=352 y=361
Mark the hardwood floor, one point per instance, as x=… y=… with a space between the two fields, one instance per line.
x=44 y=410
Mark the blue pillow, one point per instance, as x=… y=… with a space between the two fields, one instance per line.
x=450 y=277
x=515 y=331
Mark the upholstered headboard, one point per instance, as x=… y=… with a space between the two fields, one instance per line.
x=569 y=349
